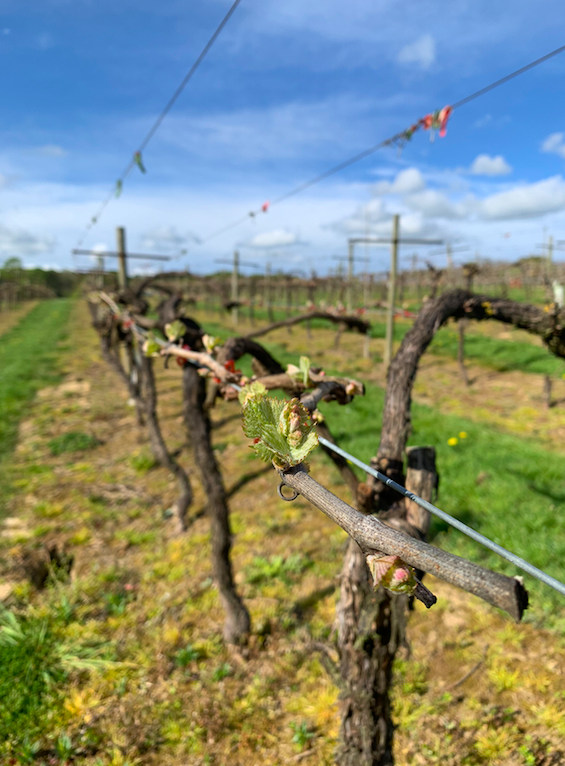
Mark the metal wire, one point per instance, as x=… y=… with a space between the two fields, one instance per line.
x=508 y=555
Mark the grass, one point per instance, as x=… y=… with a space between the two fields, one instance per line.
x=28 y=362
x=73 y=441
x=37 y=659
x=497 y=354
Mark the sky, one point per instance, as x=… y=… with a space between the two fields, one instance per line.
x=289 y=90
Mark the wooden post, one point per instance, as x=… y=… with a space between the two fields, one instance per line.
x=268 y=296
x=350 y=248
x=122 y=266
x=549 y=256
x=449 y=264
x=288 y=288
x=391 y=293
x=100 y=277
x=252 y=286
x=547 y=391
x=234 y=287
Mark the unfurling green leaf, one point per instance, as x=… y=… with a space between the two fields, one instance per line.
x=281 y=431
x=392 y=573
x=302 y=372
x=175 y=330
x=251 y=390
x=210 y=342
x=151 y=346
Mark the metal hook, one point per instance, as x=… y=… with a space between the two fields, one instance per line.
x=282 y=497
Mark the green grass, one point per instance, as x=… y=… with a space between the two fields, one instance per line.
x=73 y=441
x=496 y=354
x=276 y=567
x=37 y=658
x=28 y=362
x=501 y=355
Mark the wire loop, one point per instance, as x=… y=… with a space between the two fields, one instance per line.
x=281 y=495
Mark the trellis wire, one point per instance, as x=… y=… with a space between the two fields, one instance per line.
x=508 y=555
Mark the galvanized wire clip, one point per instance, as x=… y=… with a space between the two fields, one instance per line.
x=282 y=497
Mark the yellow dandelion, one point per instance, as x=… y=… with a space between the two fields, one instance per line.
x=453 y=441
x=462 y=434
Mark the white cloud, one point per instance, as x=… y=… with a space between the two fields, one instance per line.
x=434 y=204
x=554 y=144
x=422 y=52
x=484 y=165
x=407 y=181
x=50 y=150
x=277 y=238
x=165 y=238
x=482 y=122
x=525 y=201
x=295 y=129
x=19 y=242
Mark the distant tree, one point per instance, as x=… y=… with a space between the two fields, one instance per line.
x=12 y=264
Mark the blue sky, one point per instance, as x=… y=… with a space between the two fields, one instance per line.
x=288 y=90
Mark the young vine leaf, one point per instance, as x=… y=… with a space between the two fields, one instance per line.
x=281 y=430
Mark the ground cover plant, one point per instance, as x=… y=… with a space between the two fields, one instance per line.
x=161 y=599
x=27 y=356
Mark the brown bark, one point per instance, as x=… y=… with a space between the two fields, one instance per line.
x=235 y=348
x=237 y=624
x=371 y=629
x=350 y=322
x=397 y=537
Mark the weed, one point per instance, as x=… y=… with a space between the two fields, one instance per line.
x=73 y=441
x=186 y=656
x=116 y=602
x=302 y=734
x=262 y=569
x=221 y=672
x=132 y=537
x=527 y=755
x=503 y=678
x=35 y=660
x=142 y=462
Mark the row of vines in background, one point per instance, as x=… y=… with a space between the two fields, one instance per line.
x=19 y=284
x=530 y=279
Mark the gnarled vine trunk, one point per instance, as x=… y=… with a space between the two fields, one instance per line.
x=237 y=624
x=371 y=626
x=158 y=446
